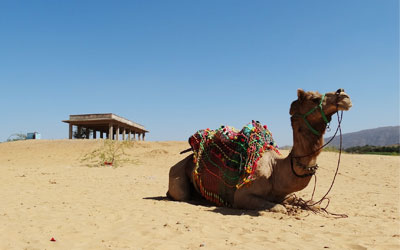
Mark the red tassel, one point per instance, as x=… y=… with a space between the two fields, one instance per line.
x=52 y=239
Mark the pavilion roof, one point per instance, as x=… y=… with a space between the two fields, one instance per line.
x=102 y=120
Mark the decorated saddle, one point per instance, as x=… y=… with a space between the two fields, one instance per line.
x=226 y=159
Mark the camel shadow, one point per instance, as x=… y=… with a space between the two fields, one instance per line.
x=195 y=202
x=157 y=198
x=213 y=208
x=235 y=212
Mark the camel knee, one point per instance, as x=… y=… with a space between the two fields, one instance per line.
x=179 y=182
x=178 y=189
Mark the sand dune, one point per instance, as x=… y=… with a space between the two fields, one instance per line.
x=46 y=192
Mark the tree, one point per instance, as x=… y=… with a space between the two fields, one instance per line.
x=17 y=137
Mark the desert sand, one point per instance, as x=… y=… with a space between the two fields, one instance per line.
x=47 y=192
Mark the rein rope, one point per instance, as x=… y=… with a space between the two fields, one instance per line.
x=308 y=205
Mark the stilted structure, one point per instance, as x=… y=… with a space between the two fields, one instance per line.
x=110 y=125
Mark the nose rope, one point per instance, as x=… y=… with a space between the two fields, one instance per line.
x=309 y=205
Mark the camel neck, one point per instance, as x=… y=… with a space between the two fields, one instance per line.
x=307 y=145
x=306 y=148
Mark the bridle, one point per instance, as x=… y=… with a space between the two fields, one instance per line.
x=320 y=109
x=312 y=169
x=309 y=204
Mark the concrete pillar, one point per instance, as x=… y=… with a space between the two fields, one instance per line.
x=101 y=134
x=79 y=130
x=94 y=134
x=123 y=134
x=117 y=134
x=87 y=133
x=129 y=134
x=70 y=131
x=144 y=134
x=110 y=132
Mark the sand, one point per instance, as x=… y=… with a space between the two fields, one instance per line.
x=46 y=192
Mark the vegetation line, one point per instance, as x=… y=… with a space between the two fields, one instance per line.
x=368 y=149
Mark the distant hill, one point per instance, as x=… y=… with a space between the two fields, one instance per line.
x=383 y=136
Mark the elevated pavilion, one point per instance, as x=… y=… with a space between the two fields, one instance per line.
x=110 y=125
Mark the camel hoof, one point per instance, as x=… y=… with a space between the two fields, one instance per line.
x=278 y=208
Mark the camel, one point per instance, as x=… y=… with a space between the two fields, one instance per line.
x=276 y=177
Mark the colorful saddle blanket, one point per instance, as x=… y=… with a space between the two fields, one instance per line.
x=226 y=159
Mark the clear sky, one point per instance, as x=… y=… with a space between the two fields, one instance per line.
x=180 y=66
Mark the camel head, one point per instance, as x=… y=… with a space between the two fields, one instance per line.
x=313 y=111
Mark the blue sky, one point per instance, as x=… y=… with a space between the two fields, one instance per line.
x=180 y=66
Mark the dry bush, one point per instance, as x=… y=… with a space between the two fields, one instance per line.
x=111 y=153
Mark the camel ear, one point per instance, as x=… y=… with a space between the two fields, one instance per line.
x=301 y=94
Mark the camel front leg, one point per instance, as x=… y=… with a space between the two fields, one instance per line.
x=179 y=182
x=256 y=203
x=253 y=198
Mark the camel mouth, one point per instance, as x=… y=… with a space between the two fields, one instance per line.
x=344 y=102
x=344 y=106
